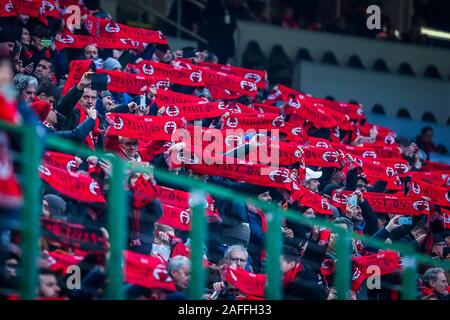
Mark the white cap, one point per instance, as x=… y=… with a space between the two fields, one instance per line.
x=311 y=174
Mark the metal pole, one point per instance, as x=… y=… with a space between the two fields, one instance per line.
x=178 y=18
x=338 y=8
x=342 y=276
x=30 y=223
x=273 y=245
x=117 y=227
x=409 y=278
x=198 y=238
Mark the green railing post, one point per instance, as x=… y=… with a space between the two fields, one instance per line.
x=30 y=223
x=117 y=228
x=409 y=277
x=198 y=238
x=273 y=245
x=342 y=276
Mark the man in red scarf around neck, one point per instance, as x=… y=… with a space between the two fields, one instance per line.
x=75 y=106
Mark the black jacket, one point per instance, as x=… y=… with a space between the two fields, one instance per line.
x=78 y=134
x=66 y=107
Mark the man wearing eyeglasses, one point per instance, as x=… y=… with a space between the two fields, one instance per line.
x=129 y=149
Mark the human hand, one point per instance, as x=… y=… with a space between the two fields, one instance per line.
x=92 y=112
x=393 y=224
x=85 y=80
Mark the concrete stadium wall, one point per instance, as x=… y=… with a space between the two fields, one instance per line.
x=392 y=91
x=369 y=50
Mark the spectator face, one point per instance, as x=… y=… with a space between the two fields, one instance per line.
x=36 y=41
x=285 y=265
x=90 y=52
x=428 y=136
x=10 y=270
x=8 y=45
x=265 y=197
x=88 y=98
x=6 y=74
x=108 y=102
x=441 y=283
x=45 y=209
x=29 y=93
x=43 y=70
x=25 y=38
x=309 y=213
x=181 y=277
x=52 y=117
x=361 y=185
x=237 y=257
x=48 y=286
x=313 y=185
x=130 y=146
x=51 y=100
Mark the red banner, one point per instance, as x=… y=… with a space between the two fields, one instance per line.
x=249 y=283
x=141 y=127
x=386 y=203
x=387 y=262
x=79 y=187
x=147 y=271
x=371 y=151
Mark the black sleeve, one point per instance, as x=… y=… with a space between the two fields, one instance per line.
x=79 y=133
x=325 y=179
x=122 y=108
x=369 y=217
x=352 y=180
x=314 y=255
x=69 y=101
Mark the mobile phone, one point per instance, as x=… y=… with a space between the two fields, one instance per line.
x=405 y=221
x=99 y=82
x=142 y=102
x=46 y=43
x=352 y=201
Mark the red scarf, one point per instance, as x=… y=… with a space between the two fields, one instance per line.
x=386 y=203
x=66 y=39
x=313 y=200
x=177 y=218
x=259 y=76
x=60 y=160
x=371 y=151
x=182 y=199
x=74 y=235
x=265 y=108
x=147 y=271
x=39 y=9
x=107 y=29
x=144 y=193
x=95 y=132
x=141 y=127
x=292 y=274
x=78 y=187
x=128 y=82
x=249 y=283
x=251 y=173
x=321 y=157
x=167 y=98
x=445 y=218
x=387 y=261
x=195 y=111
x=76 y=70
x=439 y=195
x=184 y=77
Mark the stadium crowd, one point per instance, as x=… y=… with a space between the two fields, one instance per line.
x=122 y=90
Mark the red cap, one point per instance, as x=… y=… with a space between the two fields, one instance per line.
x=41 y=108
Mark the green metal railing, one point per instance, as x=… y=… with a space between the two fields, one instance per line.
x=117 y=225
